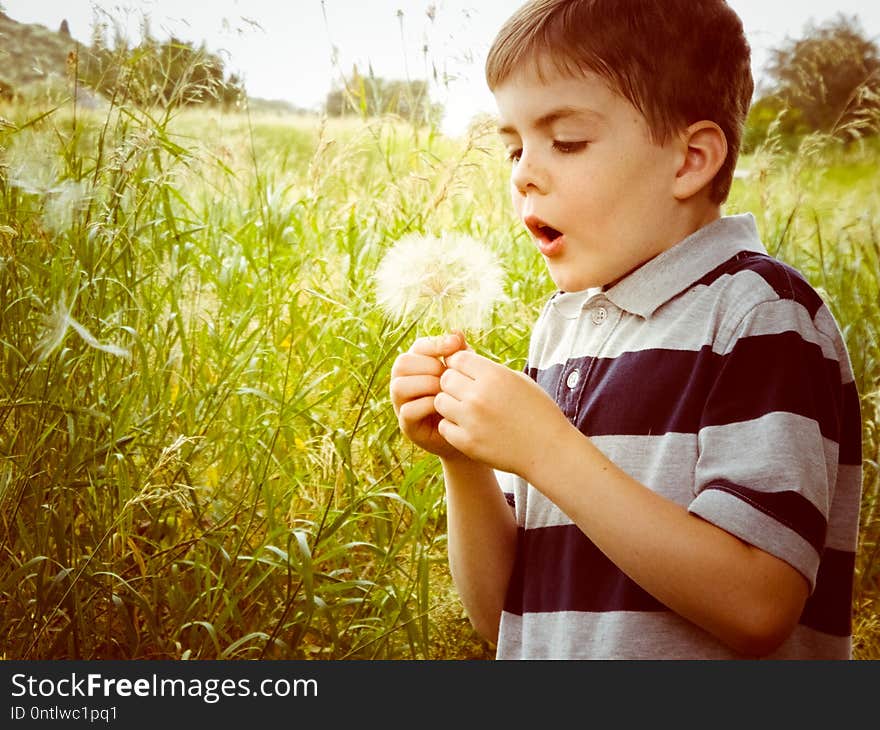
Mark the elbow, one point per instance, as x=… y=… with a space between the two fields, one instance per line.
x=486 y=625
x=761 y=632
x=766 y=614
x=758 y=644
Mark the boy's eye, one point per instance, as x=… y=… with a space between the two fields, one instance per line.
x=566 y=148
x=569 y=147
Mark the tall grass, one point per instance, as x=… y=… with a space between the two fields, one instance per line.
x=199 y=459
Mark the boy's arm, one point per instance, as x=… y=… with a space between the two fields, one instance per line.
x=481 y=533
x=481 y=541
x=748 y=598
x=744 y=596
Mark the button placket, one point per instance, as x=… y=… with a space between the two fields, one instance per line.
x=599 y=314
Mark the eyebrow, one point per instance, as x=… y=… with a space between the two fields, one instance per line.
x=549 y=119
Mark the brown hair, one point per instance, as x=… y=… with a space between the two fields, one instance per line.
x=677 y=61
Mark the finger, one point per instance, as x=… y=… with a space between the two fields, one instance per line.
x=413 y=386
x=454 y=435
x=448 y=407
x=417 y=410
x=465 y=344
x=411 y=364
x=455 y=383
x=441 y=346
x=469 y=363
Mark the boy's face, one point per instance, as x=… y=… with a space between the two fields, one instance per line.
x=587 y=181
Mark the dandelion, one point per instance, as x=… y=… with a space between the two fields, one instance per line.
x=448 y=282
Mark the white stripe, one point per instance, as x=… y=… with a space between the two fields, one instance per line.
x=785 y=315
x=665 y=464
x=778 y=452
x=843 y=526
x=757 y=528
x=630 y=635
x=827 y=325
x=688 y=322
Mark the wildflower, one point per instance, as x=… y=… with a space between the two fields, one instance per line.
x=447 y=282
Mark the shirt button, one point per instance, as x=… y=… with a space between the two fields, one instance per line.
x=572 y=380
x=599 y=315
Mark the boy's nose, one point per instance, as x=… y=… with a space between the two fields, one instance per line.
x=529 y=175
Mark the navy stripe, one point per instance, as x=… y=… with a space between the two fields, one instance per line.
x=636 y=393
x=788 y=283
x=829 y=607
x=738 y=262
x=543 y=581
x=661 y=391
x=790 y=508
x=780 y=372
x=544 y=578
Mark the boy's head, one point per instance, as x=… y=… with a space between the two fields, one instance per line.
x=676 y=61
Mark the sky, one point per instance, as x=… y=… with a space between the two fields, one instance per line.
x=294 y=49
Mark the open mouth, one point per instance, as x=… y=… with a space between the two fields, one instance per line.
x=549 y=239
x=548 y=233
x=541 y=230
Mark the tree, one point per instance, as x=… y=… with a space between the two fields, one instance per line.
x=829 y=80
x=372 y=96
x=169 y=73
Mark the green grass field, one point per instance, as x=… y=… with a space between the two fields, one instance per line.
x=199 y=457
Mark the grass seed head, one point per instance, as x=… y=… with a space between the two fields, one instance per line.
x=56 y=325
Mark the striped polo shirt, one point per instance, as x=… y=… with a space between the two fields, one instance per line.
x=716 y=376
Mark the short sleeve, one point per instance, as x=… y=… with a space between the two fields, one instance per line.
x=769 y=435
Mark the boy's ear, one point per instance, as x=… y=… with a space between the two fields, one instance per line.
x=705 y=149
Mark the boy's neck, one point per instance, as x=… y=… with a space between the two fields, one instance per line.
x=691 y=216
x=694 y=214
x=691 y=220
x=711 y=214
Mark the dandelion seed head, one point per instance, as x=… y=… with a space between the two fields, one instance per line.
x=448 y=282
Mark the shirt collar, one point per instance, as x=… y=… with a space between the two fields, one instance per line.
x=658 y=280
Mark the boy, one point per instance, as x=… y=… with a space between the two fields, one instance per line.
x=680 y=463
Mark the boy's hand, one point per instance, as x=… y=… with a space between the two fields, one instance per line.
x=496 y=415
x=415 y=381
